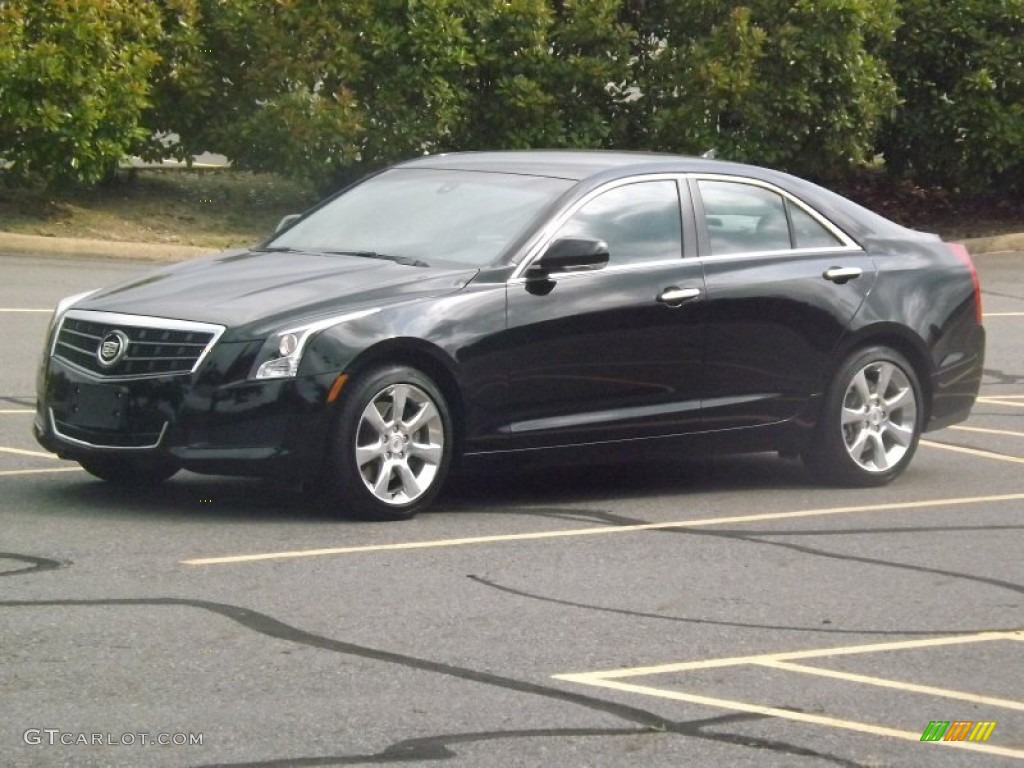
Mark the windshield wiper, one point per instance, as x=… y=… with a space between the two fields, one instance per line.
x=386 y=256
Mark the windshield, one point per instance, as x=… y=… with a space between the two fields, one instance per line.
x=427 y=215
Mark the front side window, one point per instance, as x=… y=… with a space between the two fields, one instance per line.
x=640 y=222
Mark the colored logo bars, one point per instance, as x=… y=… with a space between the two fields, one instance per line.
x=958 y=730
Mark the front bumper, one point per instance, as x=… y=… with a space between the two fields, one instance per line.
x=212 y=421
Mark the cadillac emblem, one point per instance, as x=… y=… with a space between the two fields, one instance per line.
x=112 y=349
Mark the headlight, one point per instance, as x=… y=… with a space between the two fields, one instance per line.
x=63 y=306
x=282 y=352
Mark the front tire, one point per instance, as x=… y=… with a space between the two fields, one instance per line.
x=392 y=446
x=870 y=422
x=122 y=470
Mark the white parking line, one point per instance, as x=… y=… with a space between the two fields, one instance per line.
x=23 y=309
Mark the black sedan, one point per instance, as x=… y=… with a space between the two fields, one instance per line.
x=529 y=306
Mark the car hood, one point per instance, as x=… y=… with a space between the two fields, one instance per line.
x=251 y=291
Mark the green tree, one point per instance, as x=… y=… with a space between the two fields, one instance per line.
x=74 y=81
x=795 y=84
x=960 y=72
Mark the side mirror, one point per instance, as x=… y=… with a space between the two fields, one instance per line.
x=286 y=222
x=570 y=254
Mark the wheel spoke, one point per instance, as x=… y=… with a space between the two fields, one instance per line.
x=900 y=434
x=853 y=415
x=372 y=417
x=885 y=371
x=367 y=453
x=860 y=384
x=856 y=448
x=426 y=413
x=383 y=482
x=410 y=484
x=880 y=456
x=901 y=399
x=399 y=395
x=429 y=452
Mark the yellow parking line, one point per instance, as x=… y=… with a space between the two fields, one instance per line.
x=9 y=472
x=897 y=684
x=608 y=529
x=812 y=653
x=974 y=452
x=16 y=410
x=23 y=309
x=788 y=714
x=21 y=452
x=989 y=431
x=1003 y=314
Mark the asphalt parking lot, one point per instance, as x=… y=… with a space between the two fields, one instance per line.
x=725 y=612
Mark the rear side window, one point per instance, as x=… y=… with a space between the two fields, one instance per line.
x=808 y=232
x=640 y=222
x=744 y=218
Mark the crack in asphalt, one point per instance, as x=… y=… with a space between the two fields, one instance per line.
x=26 y=400
x=1001 y=377
x=268 y=626
x=34 y=564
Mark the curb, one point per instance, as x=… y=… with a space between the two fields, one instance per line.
x=37 y=245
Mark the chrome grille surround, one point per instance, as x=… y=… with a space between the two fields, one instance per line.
x=158 y=346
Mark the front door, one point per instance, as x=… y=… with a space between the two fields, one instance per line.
x=614 y=353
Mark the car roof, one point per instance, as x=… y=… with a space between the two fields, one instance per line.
x=594 y=165
x=566 y=163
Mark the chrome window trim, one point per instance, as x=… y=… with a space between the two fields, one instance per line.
x=795 y=252
x=848 y=243
x=606 y=270
x=543 y=238
x=137 y=321
x=76 y=441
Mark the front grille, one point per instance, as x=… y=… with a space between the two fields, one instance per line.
x=156 y=346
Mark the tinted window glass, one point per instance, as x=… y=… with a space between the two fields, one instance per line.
x=430 y=215
x=742 y=218
x=809 y=232
x=640 y=222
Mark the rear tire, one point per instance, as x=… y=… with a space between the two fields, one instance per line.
x=870 y=422
x=392 y=446
x=121 y=470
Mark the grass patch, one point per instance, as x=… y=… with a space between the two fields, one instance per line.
x=213 y=208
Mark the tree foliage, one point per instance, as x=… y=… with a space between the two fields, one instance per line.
x=791 y=84
x=74 y=81
x=328 y=90
x=960 y=71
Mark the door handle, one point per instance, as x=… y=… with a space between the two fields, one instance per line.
x=841 y=275
x=673 y=296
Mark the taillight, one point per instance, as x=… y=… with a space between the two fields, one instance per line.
x=961 y=251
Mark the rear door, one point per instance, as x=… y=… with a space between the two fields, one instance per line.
x=782 y=285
